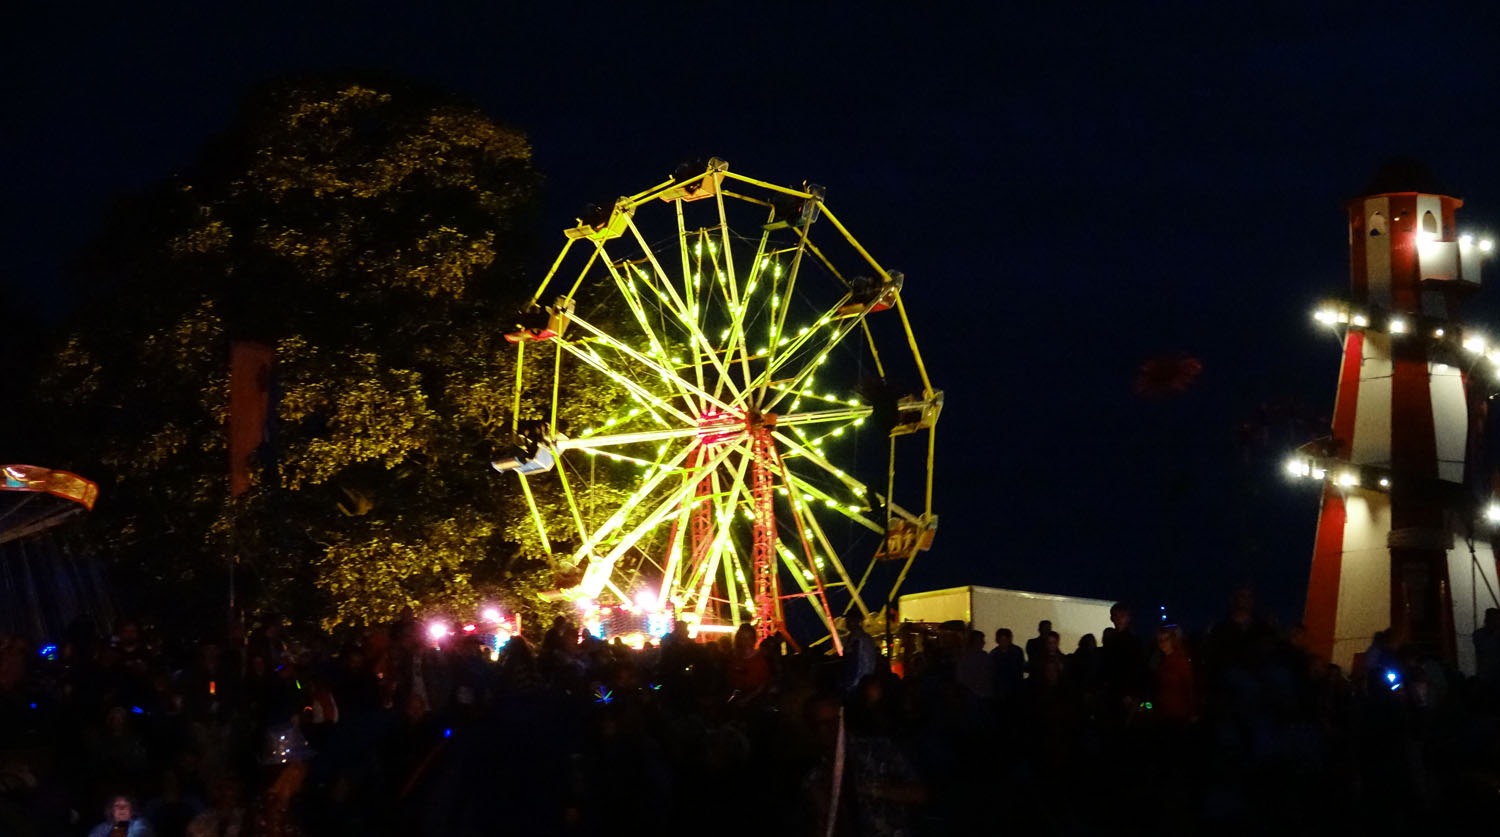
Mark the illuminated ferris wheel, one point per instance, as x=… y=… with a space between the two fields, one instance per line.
x=753 y=376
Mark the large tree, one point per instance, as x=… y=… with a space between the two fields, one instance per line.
x=371 y=233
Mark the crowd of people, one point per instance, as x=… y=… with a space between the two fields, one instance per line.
x=1236 y=728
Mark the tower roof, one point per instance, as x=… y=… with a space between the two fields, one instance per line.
x=1404 y=174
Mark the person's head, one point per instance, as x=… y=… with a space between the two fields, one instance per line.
x=1119 y=615
x=772 y=646
x=120 y=809
x=1053 y=642
x=976 y=640
x=1168 y=639
x=1297 y=636
x=1087 y=642
x=117 y=721
x=1003 y=638
x=744 y=638
x=1044 y=627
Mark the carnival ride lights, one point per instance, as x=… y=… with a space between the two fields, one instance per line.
x=34 y=499
x=714 y=307
x=493 y=628
x=637 y=624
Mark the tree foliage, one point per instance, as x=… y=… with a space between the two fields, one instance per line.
x=372 y=233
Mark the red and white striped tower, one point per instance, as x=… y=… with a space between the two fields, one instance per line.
x=1402 y=539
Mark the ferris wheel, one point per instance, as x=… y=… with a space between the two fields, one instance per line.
x=720 y=410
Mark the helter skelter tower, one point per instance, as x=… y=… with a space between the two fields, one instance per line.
x=1404 y=539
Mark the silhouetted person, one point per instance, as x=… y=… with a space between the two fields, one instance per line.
x=1036 y=645
x=1487 y=658
x=120 y=820
x=861 y=656
x=1123 y=664
x=1009 y=666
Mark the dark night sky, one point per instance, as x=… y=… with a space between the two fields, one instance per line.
x=1068 y=191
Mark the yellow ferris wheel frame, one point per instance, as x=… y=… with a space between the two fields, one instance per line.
x=713 y=366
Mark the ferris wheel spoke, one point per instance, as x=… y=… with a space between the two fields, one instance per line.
x=735 y=347
x=664 y=373
x=572 y=500
x=811 y=521
x=597 y=443
x=806 y=452
x=689 y=319
x=704 y=350
x=681 y=532
x=686 y=320
x=619 y=518
x=811 y=493
x=848 y=415
x=813 y=590
x=628 y=292
x=860 y=489
x=724 y=288
x=809 y=368
x=665 y=291
x=682 y=310
x=600 y=570
x=629 y=385
x=743 y=305
x=785 y=294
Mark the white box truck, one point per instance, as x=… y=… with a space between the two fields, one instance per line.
x=988 y=608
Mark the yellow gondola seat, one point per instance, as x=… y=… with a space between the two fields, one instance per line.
x=914 y=413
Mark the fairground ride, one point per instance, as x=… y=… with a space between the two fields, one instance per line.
x=43 y=589
x=768 y=396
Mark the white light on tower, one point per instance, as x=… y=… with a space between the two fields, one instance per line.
x=1474 y=344
x=1486 y=245
x=1492 y=513
x=1348 y=479
x=1466 y=240
x=1385 y=482
x=1360 y=320
x=1326 y=316
x=1298 y=467
x=1398 y=325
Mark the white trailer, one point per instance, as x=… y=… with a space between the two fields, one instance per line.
x=988 y=608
